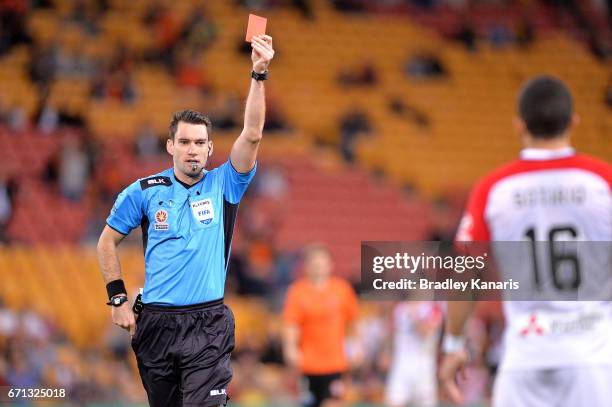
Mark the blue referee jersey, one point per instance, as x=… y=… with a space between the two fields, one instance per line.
x=187 y=232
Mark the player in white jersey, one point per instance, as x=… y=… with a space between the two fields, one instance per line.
x=557 y=353
x=412 y=375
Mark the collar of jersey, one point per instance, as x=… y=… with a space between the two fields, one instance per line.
x=181 y=184
x=538 y=154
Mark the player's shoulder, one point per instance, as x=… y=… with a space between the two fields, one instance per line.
x=594 y=165
x=161 y=179
x=299 y=285
x=215 y=175
x=486 y=182
x=339 y=283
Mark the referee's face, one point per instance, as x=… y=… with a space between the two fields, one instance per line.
x=190 y=149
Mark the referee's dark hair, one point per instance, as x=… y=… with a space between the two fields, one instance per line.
x=545 y=105
x=191 y=117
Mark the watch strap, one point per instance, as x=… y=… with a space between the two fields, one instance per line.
x=259 y=76
x=113 y=301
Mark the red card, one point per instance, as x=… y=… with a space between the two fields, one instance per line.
x=257 y=26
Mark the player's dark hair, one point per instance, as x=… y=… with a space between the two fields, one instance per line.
x=545 y=104
x=191 y=117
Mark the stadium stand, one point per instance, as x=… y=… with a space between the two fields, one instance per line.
x=113 y=76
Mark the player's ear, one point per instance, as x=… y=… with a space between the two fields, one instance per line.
x=170 y=146
x=575 y=120
x=210 y=147
x=519 y=126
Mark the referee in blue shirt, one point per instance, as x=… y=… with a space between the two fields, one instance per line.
x=184 y=335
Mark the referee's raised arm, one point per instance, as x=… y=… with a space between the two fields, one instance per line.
x=244 y=151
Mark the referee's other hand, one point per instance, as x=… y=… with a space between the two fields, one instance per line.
x=123 y=316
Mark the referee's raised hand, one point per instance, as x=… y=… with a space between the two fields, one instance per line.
x=123 y=316
x=262 y=52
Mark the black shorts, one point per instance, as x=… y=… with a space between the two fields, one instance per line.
x=321 y=388
x=183 y=353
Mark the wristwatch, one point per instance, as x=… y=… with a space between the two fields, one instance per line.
x=259 y=76
x=117 y=300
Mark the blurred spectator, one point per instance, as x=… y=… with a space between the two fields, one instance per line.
x=8 y=197
x=20 y=373
x=349 y=6
x=443 y=221
x=74 y=166
x=466 y=34
x=363 y=75
x=69 y=115
x=87 y=14
x=43 y=63
x=74 y=63
x=17 y=119
x=147 y=143
x=3 y=113
x=561 y=8
x=13 y=27
x=199 y=31
x=166 y=31
x=239 y=281
x=608 y=93
x=270 y=183
x=402 y=109
x=275 y=119
x=8 y=321
x=424 y=65
x=255 y=4
x=353 y=124
x=600 y=46
x=525 y=33
x=122 y=87
x=34 y=355
x=413 y=371
x=189 y=72
x=424 y=4
x=499 y=35
x=225 y=113
x=46 y=116
x=122 y=59
x=118 y=85
x=315 y=331
x=304 y=7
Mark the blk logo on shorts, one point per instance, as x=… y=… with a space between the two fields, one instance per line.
x=217 y=392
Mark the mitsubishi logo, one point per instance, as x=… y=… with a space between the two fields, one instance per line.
x=532 y=327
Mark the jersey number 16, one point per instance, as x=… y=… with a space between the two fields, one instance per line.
x=558 y=255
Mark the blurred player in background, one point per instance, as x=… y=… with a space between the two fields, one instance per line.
x=558 y=353
x=185 y=334
x=318 y=311
x=412 y=374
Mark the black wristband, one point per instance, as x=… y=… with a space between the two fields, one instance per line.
x=115 y=287
x=259 y=76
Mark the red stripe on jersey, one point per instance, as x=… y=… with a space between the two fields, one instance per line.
x=473 y=225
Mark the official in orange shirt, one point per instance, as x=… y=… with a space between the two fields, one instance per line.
x=318 y=310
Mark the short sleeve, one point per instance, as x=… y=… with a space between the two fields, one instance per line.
x=127 y=212
x=473 y=226
x=292 y=313
x=235 y=183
